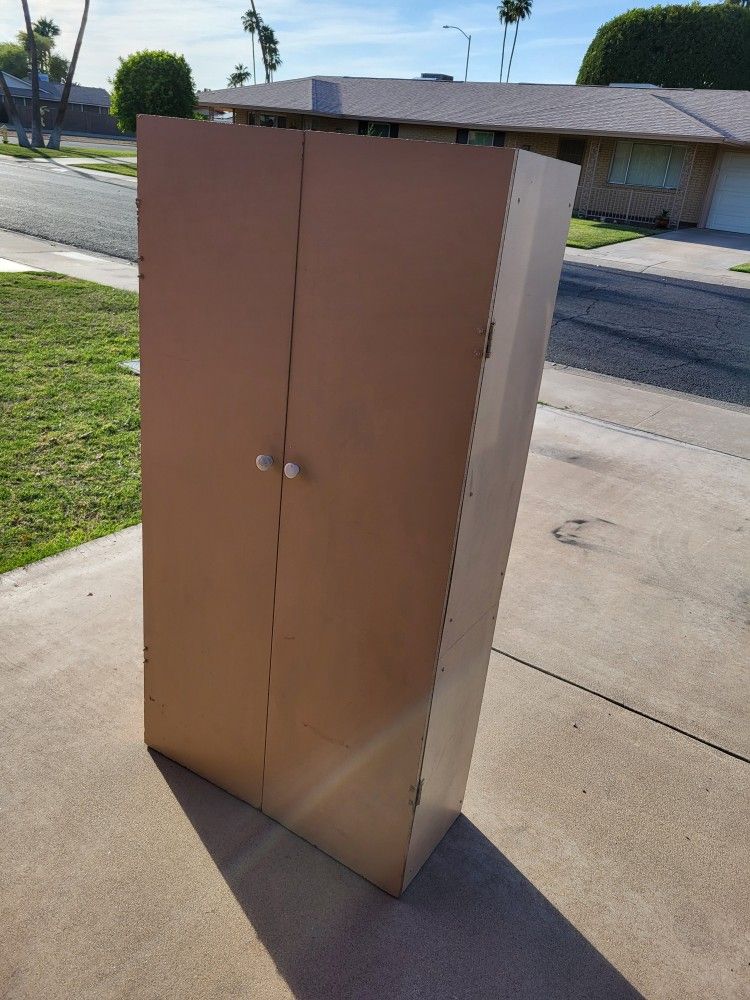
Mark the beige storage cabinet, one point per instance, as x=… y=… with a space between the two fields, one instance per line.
x=342 y=340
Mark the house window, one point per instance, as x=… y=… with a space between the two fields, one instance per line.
x=386 y=130
x=571 y=150
x=478 y=137
x=646 y=164
x=271 y=121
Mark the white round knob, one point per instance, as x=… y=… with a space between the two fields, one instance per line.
x=264 y=462
x=291 y=470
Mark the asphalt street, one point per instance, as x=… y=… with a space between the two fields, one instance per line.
x=671 y=333
x=683 y=335
x=91 y=211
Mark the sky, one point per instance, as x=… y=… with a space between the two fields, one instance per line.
x=399 y=38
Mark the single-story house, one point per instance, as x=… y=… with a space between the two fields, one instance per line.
x=88 y=107
x=642 y=150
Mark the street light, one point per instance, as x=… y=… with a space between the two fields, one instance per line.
x=468 y=47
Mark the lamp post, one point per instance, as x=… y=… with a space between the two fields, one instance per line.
x=468 y=47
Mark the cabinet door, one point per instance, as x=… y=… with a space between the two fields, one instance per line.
x=397 y=255
x=219 y=209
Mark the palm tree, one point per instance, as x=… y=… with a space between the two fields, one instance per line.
x=270 y=45
x=54 y=138
x=46 y=27
x=239 y=77
x=521 y=10
x=46 y=31
x=505 y=14
x=37 y=140
x=259 y=26
x=12 y=111
x=252 y=23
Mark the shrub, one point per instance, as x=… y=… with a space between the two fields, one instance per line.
x=152 y=83
x=673 y=46
x=14 y=59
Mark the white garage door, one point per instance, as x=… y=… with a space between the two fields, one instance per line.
x=730 y=206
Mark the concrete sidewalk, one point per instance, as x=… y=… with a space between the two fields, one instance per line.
x=691 y=254
x=696 y=257
x=602 y=853
x=89 y=167
x=77 y=161
x=648 y=410
x=21 y=252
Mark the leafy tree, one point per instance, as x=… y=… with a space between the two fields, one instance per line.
x=521 y=9
x=43 y=47
x=239 y=76
x=59 y=67
x=152 y=83
x=14 y=59
x=673 y=46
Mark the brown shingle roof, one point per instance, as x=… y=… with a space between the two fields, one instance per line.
x=704 y=115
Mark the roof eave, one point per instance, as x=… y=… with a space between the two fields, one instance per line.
x=715 y=139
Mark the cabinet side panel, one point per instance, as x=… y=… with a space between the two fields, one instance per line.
x=528 y=275
x=398 y=251
x=218 y=225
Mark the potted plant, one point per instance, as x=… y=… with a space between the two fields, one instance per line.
x=662 y=220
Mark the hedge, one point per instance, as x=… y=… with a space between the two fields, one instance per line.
x=673 y=46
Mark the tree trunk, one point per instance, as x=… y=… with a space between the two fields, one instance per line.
x=261 y=40
x=13 y=116
x=513 y=49
x=56 y=133
x=502 y=56
x=252 y=35
x=37 y=139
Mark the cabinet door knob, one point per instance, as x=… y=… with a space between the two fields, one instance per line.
x=264 y=462
x=291 y=470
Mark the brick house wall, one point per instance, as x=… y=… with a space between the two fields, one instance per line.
x=703 y=168
x=432 y=133
x=685 y=203
x=596 y=196
x=537 y=142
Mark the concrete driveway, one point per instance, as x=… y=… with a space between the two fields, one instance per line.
x=602 y=853
x=698 y=254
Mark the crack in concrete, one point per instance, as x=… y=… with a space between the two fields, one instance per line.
x=621 y=704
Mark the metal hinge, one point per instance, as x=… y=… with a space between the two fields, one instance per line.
x=488 y=344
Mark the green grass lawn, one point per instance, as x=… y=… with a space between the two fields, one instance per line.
x=741 y=267
x=112 y=168
x=586 y=234
x=22 y=153
x=69 y=419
